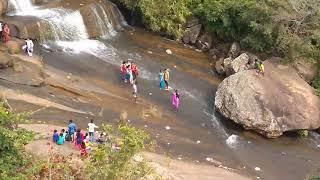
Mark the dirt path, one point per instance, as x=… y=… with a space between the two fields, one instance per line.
x=164 y=166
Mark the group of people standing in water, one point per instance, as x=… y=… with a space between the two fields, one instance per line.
x=130 y=72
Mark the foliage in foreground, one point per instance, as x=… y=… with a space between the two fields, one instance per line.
x=12 y=158
x=107 y=162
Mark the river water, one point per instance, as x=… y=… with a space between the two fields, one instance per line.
x=196 y=131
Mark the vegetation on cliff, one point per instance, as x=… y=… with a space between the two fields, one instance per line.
x=290 y=29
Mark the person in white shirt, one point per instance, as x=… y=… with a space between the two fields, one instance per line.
x=91 y=127
x=28 y=47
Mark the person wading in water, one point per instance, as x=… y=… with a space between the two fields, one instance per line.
x=176 y=100
x=166 y=78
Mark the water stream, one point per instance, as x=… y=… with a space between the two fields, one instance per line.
x=67 y=29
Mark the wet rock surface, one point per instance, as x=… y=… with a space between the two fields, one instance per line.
x=272 y=104
x=306 y=70
x=20 y=70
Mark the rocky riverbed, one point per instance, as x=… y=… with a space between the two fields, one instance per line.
x=75 y=77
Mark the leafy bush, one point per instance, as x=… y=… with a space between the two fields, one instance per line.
x=12 y=158
x=108 y=162
x=162 y=15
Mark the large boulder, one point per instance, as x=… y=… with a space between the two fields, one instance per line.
x=191 y=34
x=236 y=65
x=277 y=102
x=306 y=70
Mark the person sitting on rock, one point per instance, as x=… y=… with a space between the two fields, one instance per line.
x=83 y=150
x=61 y=139
x=55 y=136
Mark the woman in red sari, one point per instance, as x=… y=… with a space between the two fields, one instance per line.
x=6 y=33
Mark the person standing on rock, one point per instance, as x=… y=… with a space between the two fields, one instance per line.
x=5 y=33
x=260 y=67
x=176 y=99
x=91 y=127
x=166 y=78
x=72 y=129
x=161 y=78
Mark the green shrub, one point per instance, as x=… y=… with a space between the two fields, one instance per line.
x=108 y=163
x=162 y=15
x=12 y=158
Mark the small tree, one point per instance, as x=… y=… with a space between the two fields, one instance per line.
x=114 y=159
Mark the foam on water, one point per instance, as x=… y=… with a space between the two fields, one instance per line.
x=232 y=141
x=19 y=7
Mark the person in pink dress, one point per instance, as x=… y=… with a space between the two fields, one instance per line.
x=175 y=100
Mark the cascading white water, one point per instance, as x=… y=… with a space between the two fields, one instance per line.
x=20 y=7
x=103 y=23
x=65 y=25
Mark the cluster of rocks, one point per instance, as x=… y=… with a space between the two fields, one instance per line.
x=235 y=62
x=193 y=35
x=280 y=100
x=277 y=102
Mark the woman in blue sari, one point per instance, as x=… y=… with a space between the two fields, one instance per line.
x=162 y=83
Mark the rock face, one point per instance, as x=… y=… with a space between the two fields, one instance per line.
x=14 y=46
x=238 y=64
x=219 y=67
x=6 y=61
x=21 y=70
x=271 y=104
x=234 y=50
x=306 y=70
x=3 y=6
x=102 y=19
x=191 y=34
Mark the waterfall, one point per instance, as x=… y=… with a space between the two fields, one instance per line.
x=20 y=7
x=58 y=24
x=103 y=23
x=64 y=25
